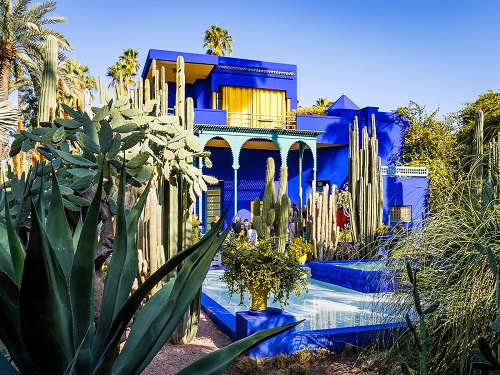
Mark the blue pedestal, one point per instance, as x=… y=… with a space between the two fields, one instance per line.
x=248 y=322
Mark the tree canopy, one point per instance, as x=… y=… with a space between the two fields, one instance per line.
x=127 y=65
x=429 y=142
x=23 y=30
x=217 y=41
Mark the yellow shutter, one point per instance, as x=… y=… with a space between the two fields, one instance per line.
x=245 y=106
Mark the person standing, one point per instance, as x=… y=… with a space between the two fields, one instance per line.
x=252 y=234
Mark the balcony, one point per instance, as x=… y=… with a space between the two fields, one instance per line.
x=248 y=120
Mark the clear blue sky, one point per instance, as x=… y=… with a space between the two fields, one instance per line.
x=381 y=53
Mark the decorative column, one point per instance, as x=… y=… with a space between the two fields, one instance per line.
x=236 y=167
x=301 y=156
x=200 y=198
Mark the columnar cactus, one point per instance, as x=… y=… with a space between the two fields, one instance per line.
x=365 y=187
x=274 y=213
x=49 y=82
x=321 y=228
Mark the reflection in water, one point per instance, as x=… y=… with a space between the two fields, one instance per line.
x=325 y=306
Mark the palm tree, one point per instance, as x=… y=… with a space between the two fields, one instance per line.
x=322 y=103
x=22 y=34
x=217 y=40
x=127 y=65
x=74 y=80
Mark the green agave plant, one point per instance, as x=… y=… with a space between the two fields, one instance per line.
x=47 y=296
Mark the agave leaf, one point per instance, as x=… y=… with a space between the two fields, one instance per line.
x=485 y=349
x=82 y=282
x=186 y=285
x=58 y=231
x=220 y=360
x=5 y=367
x=6 y=260
x=10 y=328
x=130 y=307
x=44 y=302
x=117 y=285
x=76 y=235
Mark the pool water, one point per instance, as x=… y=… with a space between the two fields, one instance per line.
x=381 y=265
x=324 y=306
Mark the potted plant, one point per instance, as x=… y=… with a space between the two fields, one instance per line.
x=260 y=269
x=299 y=249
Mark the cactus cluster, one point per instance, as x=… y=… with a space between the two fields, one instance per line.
x=275 y=208
x=365 y=187
x=321 y=222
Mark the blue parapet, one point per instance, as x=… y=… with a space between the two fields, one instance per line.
x=363 y=280
x=210 y=116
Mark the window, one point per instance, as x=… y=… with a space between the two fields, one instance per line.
x=400 y=213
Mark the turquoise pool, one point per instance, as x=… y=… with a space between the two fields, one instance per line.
x=325 y=306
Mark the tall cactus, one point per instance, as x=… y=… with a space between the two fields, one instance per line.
x=48 y=88
x=322 y=230
x=275 y=209
x=365 y=187
x=477 y=151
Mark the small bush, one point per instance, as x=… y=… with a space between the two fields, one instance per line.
x=248 y=366
x=304 y=357
x=297 y=369
x=278 y=362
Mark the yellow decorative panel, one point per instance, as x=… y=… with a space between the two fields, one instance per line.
x=253 y=107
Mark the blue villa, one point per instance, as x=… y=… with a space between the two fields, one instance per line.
x=244 y=114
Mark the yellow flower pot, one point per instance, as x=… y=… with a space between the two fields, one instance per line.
x=259 y=298
x=302 y=259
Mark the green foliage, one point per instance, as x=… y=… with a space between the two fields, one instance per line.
x=47 y=315
x=24 y=28
x=453 y=269
x=149 y=143
x=429 y=142
x=125 y=69
x=489 y=103
x=305 y=110
x=248 y=265
x=298 y=247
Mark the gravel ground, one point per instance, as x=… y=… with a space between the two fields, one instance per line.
x=173 y=358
